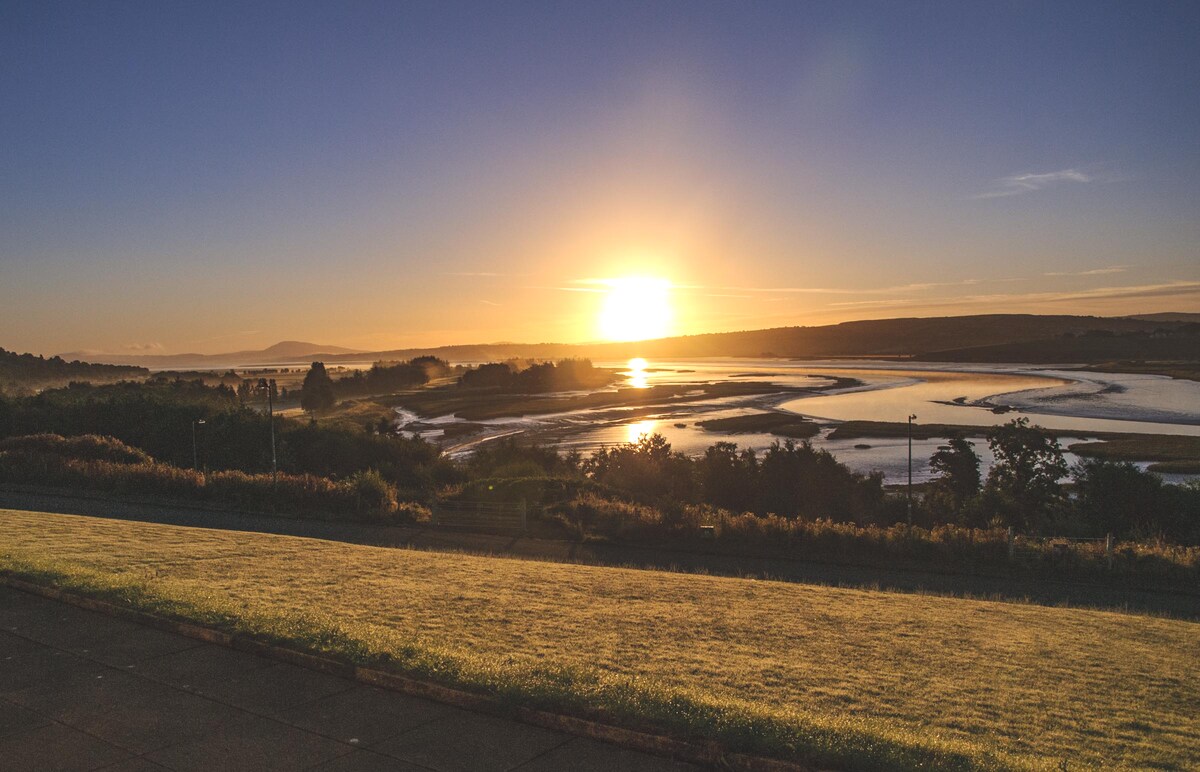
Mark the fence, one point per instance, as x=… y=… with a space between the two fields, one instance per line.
x=483 y=515
x=1023 y=548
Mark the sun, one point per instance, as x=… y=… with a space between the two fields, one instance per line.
x=636 y=308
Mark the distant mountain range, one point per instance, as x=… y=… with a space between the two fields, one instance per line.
x=984 y=338
x=284 y=351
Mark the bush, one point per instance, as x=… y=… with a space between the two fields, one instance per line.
x=86 y=447
x=47 y=460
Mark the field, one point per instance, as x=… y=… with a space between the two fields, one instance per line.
x=850 y=678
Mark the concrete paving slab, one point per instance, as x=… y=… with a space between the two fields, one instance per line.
x=367 y=761
x=136 y=764
x=104 y=639
x=129 y=647
x=272 y=690
x=471 y=742
x=57 y=748
x=584 y=755
x=14 y=718
x=189 y=668
x=255 y=745
x=124 y=710
x=365 y=714
x=40 y=666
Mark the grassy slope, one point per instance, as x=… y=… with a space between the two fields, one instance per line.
x=849 y=677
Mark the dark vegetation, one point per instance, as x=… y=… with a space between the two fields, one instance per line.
x=781 y=424
x=103 y=464
x=537 y=378
x=137 y=438
x=1161 y=344
x=384 y=378
x=26 y=373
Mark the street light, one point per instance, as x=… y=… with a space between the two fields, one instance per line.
x=911 y=418
x=269 y=386
x=195 y=456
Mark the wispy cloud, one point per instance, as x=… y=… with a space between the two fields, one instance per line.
x=1092 y=272
x=142 y=347
x=1016 y=184
x=488 y=302
x=589 y=285
x=472 y=273
x=1134 y=292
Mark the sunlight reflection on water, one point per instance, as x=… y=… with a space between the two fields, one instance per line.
x=635 y=431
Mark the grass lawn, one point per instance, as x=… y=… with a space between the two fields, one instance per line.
x=849 y=678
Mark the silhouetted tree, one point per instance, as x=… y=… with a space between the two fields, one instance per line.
x=728 y=478
x=957 y=466
x=1116 y=497
x=1023 y=484
x=316 y=394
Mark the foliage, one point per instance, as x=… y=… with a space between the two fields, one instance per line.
x=103 y=464
x=157 y=418
x=88 y=447
x=1023 y=484
x=26 y=373
x=317 y=392
x=646 y=468
x=538 y=378
x=382 y=379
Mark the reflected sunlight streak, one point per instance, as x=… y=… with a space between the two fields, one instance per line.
x=638 y=378
x=635 y=431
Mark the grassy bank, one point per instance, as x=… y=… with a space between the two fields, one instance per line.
x=483 y=404
x=781 y=424
x=841 y=678
x=1170 y=453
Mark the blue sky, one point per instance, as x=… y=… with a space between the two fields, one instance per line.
x=209 y=177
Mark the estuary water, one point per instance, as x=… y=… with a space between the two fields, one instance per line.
x=1075 y=402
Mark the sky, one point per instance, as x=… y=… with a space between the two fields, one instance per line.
x=211 y=177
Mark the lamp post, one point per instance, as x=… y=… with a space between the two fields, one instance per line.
x=195 y=456
x=263 y=383
x=911 y=418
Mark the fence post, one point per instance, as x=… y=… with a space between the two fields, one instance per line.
x=1010 y=543
x=1108 y=550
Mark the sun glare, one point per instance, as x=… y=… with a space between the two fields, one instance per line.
x=637 y=373
x=636 y=308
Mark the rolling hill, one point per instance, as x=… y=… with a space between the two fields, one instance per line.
x=984 y=338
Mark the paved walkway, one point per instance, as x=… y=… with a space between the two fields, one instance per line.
x=82 y=691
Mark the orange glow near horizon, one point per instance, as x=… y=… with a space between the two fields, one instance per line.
x=636 y=308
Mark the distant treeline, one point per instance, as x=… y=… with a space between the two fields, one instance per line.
x=517 y=377
x=384 y=378
x=25 y=373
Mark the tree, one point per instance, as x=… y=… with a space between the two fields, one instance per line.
x=1116 y=497
x=316 y=394
x=957 y=466
x=1023 y=484
x=727 y=477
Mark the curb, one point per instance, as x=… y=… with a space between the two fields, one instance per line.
x=706 y=754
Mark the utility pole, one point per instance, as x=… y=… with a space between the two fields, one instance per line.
x=263 y=383
x=195 y=455
x=911 y=418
